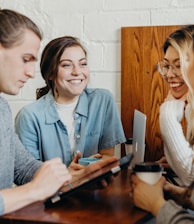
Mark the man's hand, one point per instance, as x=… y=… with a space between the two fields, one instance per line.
x=52 y=175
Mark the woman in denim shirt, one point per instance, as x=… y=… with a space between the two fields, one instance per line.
x=69 y=117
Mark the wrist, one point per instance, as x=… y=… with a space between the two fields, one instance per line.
x=159 y=203
x=34 y=194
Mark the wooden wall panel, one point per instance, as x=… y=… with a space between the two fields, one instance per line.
x=142 y=87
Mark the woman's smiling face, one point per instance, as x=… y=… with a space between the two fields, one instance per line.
x=73 y=75
x=176 y=84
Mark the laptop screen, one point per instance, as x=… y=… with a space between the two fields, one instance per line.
x=139 y=130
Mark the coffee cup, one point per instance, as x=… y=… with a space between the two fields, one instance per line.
x=149 y=172
x=129 y=146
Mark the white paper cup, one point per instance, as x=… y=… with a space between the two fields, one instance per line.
x=129 y=146
x=149 y=172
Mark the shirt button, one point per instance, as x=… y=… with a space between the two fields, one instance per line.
x=76 y=115
x=78 y=136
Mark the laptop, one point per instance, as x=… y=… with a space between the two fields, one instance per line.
x=138 y=142
x=138 y=145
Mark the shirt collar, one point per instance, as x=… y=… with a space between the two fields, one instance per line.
x=51 y=115
x=82 y=106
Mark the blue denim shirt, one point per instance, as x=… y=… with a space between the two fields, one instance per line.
x=98 y=126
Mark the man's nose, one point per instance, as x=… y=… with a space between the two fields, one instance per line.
x=30 y=72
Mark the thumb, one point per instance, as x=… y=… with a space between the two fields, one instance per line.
x=161 y=181
x=77 y=157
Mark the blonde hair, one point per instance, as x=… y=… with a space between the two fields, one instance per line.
x=183 y=41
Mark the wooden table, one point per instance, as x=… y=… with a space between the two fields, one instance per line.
x=111 y=205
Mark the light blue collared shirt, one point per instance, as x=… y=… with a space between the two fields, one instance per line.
x=97 y=126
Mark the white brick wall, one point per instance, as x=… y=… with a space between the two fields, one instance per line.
x=97 y=23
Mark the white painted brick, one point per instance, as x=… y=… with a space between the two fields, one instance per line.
x=106 y=26
x=104 y=56
x=112 y=57
x=95 y=56
x=72 y=6
x=98 y=24
x=111 y=81
x=137 y=4
x=173 y=17
x=61 y=25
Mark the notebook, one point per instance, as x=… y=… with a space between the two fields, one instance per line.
x=139 y=131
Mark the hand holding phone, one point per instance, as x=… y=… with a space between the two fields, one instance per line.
x=87 y=161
